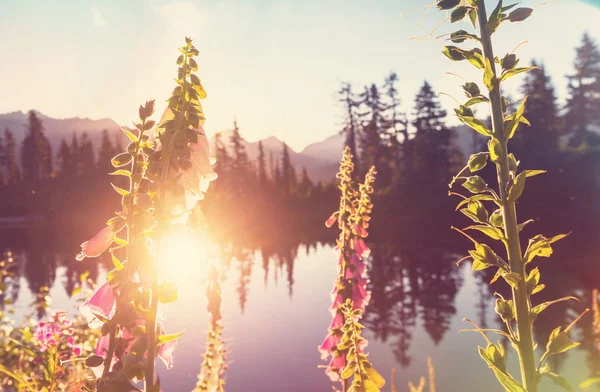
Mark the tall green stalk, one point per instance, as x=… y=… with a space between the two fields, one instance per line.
x=509 y=216
x=517 y=313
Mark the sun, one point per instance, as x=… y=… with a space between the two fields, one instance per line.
x=183 y=257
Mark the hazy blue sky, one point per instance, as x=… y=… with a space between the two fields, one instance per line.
x=274 y=64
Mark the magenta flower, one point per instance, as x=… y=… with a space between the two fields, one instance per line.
x=102 y=303
x=361 y=248
x=337 y=364
x=331 y=341
x=98 y=244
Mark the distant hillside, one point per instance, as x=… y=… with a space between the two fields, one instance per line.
x=320 y=159
x=56 y=129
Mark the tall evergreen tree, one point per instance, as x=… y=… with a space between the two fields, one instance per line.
x=433 y=153
x=13 y=173
x=240 y=163
x=75 y=155
x=429 y=115
x=540 y=139
x=223 y=161
x=397 y=122
x=2 y=162
x=288 y=173
x=373 y=124
x=86 y=154
x=36 y=152
x=583 y=104
x=65 y=159
x=351 y=123
x=305 y=185
x=262 y=170
x=106 y=153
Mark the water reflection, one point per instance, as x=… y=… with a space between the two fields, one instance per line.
x=414 y=288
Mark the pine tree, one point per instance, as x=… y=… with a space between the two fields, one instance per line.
x=2 y=162
x=583 y=104
x=65 y=159
x=373 y=124
x=429 y=115
x=86 y=154
x=13 y=173
x=305 y=185
x=106 y=153
x=288 y=173
x=351 y=122
x=397 y=122
x=36 y=152
x=432 y=151
x=540 y=139
x=75 y=155
x=262 y=170
x=118 y=143
x=240 y=163
x=223 y=161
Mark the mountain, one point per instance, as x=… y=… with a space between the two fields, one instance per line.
x=56 y=129
x=320 y=159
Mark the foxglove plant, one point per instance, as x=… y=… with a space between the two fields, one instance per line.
x=214 y=365
x=344 y=343
x=168 y=171
x=518 y=313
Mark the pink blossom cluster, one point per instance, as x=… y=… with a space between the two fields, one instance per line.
x=354 y=286
x=102 y=304
x=57 y=333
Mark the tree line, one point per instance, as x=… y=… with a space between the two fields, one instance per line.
x=415 y=152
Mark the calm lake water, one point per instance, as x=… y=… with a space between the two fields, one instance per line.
x=275 y=313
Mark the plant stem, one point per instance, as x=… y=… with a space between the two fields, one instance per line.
x=513 y=246
x=111 y=349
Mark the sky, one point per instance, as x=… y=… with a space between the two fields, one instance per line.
x=274 y=65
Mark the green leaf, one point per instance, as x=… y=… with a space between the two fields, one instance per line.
x=193 y=64
x=495 y=19
x=471 y=89
x=121 y=160
x=509 y=62
x=126 y=173
x=375 y=376
x=454 y=53
x=120 y=191
x=515 y=71
x=589 y=382
x=120 y=241
x=516 y=190
x=475 y=58
x=479 y=210
x=491 y=231
x=512 y=278
x=447 y=4
x=130 y=135
x=476 y=124
x=478 y=161
x=348 y=370
x=473 y=16
x=162 y=339
x=476 y=198
x=476 y=100
x=507 y=381
x=559 y=380
x=531 y=173
x=559 y=342
x=521 y=226
x=496 y=218
x=494 y=148
x=458 y=14
x=94 y=361
x=475 y=184
x=541 y=307
x=489 y=80
x=461 y=35
x=116 y=262
x=520 y=14
x=540 y=246
x=505 y=309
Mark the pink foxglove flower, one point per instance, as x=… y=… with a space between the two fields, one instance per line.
x=98 y=244
x=102 y=303
x=195 y=179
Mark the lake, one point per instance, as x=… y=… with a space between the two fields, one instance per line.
x=275 y=302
